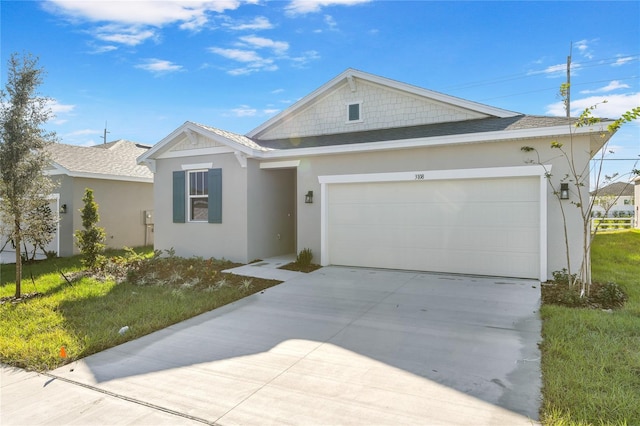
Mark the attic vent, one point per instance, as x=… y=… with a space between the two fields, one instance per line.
x=353 y=113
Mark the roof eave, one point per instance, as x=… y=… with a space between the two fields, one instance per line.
x=484 y=137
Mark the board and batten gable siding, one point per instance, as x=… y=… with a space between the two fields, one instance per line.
x=381 y=107
x=226 y=239
x=459 y=157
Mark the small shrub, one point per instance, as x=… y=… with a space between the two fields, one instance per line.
x=607 y=296
x=562 y=277
x=246 y=285
x=304 y=257
x=51 y=254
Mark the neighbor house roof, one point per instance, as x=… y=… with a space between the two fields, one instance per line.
x=622 y=189
x=114 y=160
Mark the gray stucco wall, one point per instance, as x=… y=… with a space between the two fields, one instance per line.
x=225 y=240
x=493 y=154
x=271 y=212
x=121 y=207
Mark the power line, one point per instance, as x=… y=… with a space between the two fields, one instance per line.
x=528 y=74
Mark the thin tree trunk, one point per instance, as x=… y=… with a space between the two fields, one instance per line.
x=18 y=264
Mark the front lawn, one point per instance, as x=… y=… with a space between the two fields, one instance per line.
x=591 y=357
x=85 y=315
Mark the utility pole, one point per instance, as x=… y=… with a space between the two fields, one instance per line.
x=568 y=106
x=104 y=137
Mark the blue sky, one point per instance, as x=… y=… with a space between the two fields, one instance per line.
x=146 y=67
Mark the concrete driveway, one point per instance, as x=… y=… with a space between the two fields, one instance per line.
x=339 y=346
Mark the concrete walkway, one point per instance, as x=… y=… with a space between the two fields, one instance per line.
x=339 y=346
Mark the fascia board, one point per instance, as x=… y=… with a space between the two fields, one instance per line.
x=110 y=177
x=57 y=170
x=159 y=150
x=160 y=146
x=451 y=140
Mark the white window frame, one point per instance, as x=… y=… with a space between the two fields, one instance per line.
x=359 y=120
x=194 y=196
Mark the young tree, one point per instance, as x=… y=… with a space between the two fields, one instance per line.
x=23 y=185
x=40 y=228
x=578 y=178
x=91 y=239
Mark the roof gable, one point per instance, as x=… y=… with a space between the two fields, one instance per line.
x=194 y=139
x=325 y=110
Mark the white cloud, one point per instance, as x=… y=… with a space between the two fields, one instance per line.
x=622 y=60
x=331 y=23
x=584 y=49
x=615 y=105
x=58 y=108
x=305 y=58
x=190 y=13
x=614 y=85
x=252 y=60
x=244 y=111
x=159 y=66
x=258 y=23
x=134 y=22
x=239 y=55
x=131 y=35
x=557 y=70
x=302 y=7
x=83 y=132
x=278 y=47
x=96 y=50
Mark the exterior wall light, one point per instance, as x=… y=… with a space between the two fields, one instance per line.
x=63 y=208
x=564 y=191
x=308 y=197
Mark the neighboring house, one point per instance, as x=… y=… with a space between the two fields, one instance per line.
x=122 y=188
x=616 y=199
x=367 y=171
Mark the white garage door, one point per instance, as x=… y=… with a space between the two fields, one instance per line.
x=470 y=226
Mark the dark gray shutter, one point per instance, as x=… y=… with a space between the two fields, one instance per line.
x=215 y=195
x=179 y=196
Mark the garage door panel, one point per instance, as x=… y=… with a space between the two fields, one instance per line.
x=474 y=226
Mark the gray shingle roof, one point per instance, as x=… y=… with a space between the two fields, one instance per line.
x=116 y=158
x=424 y=131
x=240 y=139
x=622 y=189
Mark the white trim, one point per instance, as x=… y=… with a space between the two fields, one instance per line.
x=88 y=175
x=453 y=174
x=280 y=164
x=195 y=152
x=204 y=168
x=197 y=166
x=360 y=119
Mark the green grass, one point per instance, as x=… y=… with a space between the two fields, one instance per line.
x=85 y=317
x=591 y=358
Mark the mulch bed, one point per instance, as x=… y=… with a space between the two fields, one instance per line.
x=23 y=298
x=295 y=266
